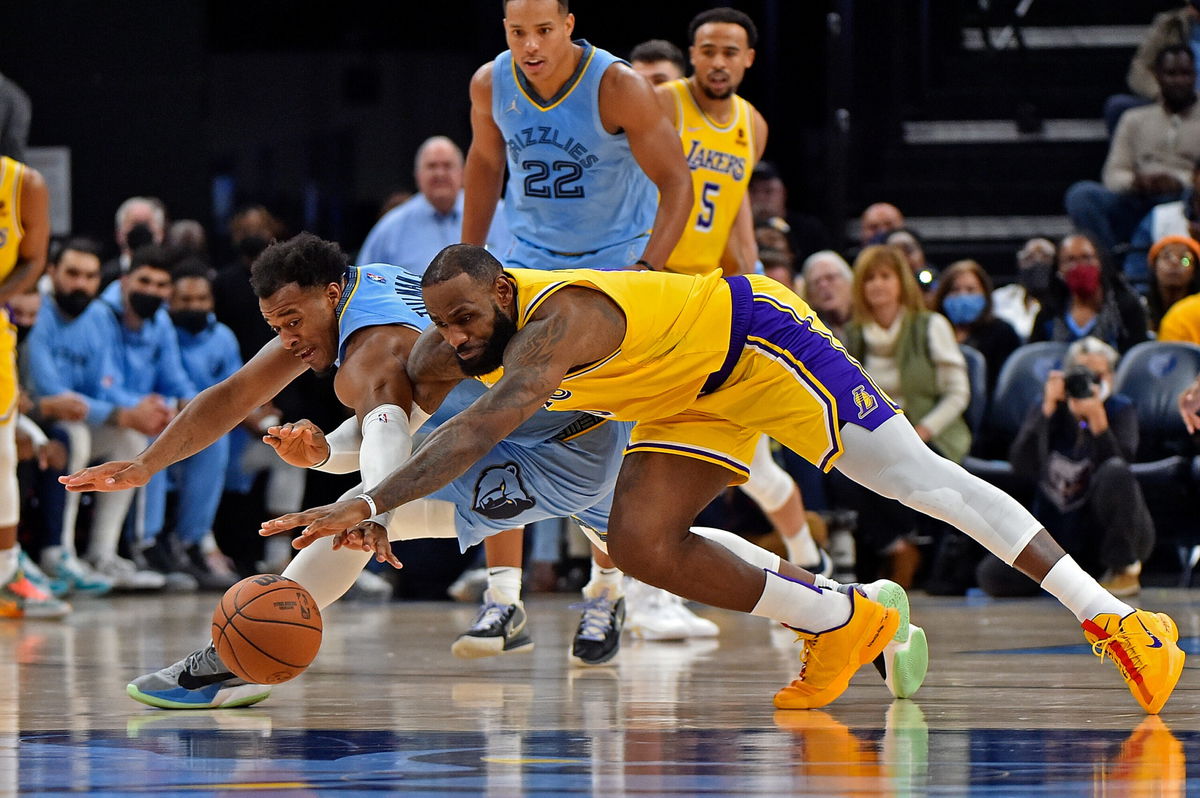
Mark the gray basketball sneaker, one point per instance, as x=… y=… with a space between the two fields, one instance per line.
x=198 y=681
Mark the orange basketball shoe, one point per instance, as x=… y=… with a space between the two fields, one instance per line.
x=831 y=658
x=21 y=598
x=1143 y=647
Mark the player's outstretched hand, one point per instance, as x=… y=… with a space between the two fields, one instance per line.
x=319 y=522
x=299 y=443
x=111 y=476
x=368 y=536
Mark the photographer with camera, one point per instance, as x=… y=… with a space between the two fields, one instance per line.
x=1079 y=442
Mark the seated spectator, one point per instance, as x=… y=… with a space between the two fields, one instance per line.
x=964 y=296
x=1089 y=298
x=187 y=238
x=1150 y=159
x=140 y=221
x=1179 y=218
x=1174 y=275
x=908 y=242
x=1018 y=303
x=151 y=369
x=1169 y=28
x=769 y=200
x=250 y=231
x=827 y=289
x=410 y=235
x=911 y=354
x=777 y=265
x=1079 y=441
x=210 y=354
x=877 y=221
x=73 y=376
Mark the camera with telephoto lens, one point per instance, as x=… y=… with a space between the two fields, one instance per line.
x=1079 y=382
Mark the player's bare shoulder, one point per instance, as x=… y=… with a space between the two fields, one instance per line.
x=481 y=83
x=582 y=320
x=624 y=95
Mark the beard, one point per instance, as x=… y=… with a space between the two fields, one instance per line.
x=492 y=357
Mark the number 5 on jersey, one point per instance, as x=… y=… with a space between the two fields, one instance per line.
x=708 y=206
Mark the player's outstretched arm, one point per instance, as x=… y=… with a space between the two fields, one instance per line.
x=483 y=172
x=535 y=362
x=214 y=412
x=628 y=102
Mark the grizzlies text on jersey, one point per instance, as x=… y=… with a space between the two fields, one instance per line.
x=573 y=187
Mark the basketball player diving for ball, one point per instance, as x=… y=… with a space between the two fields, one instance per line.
x=367 y=320
x=704 y=364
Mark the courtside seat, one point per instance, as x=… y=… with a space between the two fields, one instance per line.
x=1020 y=384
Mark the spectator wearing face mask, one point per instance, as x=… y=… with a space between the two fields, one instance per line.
x=140 y=221
x=964 y=295
x=1018 y=303
x=72 y=373
x=1088 y=298
x=151 y=368
x=210 y=354
x=1079 y=440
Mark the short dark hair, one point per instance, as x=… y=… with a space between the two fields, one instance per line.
x=1173 y=49
x=658 y=50
x=89 y=246
x=564 y=6
x=459 y=259
x=724 y=14
x=191 y=266
x=153 y=256
x=305 y=259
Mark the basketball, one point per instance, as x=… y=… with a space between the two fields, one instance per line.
x=267 y=629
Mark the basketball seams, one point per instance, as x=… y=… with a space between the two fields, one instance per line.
x=259 y=649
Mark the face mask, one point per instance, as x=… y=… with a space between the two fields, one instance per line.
x=72 y=303
x=963 y=308
x=1083 y=280
x=144 y=305
x=22 y=332
x=1036 y=278
x=193 y=321
x=1105 y=390
x=139 y=236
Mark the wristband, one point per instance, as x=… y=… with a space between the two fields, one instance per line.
x=370 y=502
x=644 y=262
x=328 y=454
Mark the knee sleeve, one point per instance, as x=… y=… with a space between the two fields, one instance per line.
x=769 y=485
x=10 y=496
x=893 y=461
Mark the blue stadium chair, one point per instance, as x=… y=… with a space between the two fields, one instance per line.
x=1153 y=374
x=1020 y=384
x=977 y=377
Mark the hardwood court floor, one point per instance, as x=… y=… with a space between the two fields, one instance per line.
x=1015 y=704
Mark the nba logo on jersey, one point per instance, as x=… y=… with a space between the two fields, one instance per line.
x=866 y=402
x=376 y=277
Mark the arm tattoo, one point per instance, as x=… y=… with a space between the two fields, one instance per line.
x=530 y=375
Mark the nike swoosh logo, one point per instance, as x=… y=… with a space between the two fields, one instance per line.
x=1154 y=641
x=190 y=682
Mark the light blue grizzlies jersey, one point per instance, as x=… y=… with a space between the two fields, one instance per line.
x=573 y=187
x=553 y=465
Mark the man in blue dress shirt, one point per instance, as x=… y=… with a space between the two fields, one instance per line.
x=411 y=234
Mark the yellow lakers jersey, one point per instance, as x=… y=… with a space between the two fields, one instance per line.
x=676 y=334
x=721 y=159
x=11 y=174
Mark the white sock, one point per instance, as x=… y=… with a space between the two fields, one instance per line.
x=825 y=581
x=504 y=585
x=605 y=579
x=8 y=564
x=1080 y=593
x=801 y=606
x=801 y=548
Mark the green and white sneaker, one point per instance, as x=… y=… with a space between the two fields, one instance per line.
x=905 y=659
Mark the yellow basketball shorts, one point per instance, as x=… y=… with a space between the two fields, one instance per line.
x=786 y=375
